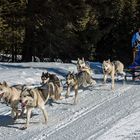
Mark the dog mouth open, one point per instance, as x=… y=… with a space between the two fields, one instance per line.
x=27 y=101
x=23 y=104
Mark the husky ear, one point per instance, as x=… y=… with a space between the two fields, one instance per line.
x=83 y=59
x=108 y=60
x=5 y=84
x=78 y=59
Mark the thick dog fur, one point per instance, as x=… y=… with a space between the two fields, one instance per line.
x=76 y=80
x=33 y=98
x=38 y=97
x=112 y=69
x=82 y=66
x=10 y=96
x=54 y=85
x=48 y=77
x=119 y=67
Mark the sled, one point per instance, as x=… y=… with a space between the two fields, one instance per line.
x=133 y=73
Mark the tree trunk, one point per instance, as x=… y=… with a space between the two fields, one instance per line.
x=27 y=51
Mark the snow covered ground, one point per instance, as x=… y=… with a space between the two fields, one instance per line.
x=100 y=113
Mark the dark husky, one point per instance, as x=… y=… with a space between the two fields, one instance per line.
x=76 y=80
x=48 y=77
x=54 y=84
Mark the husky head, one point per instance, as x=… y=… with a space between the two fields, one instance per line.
x=106 y=65
x=45 y=77
x=70 y=78
x=26 y=98
x=81 y=63
x=48 y=77
x=26 y=101
x=4 y=91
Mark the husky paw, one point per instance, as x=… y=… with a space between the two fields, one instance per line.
x=74 y=103
x=66 y=96
x=113 y=88
x=23 y=128
x=61 y=98
x=14 y=118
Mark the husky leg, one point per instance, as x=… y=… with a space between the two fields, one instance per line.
x=68 y=92
x=104 y=78
x=48 y=96
x=44 y=113
x=29 y=110
x=60 y=89
x=93 y=82
x=76 y=92
x=112 y=77
x=57 y=93
x=124 y=77
x=17 y=113
x=13 y=114
x=23 y=112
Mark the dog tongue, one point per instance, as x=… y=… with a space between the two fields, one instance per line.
x=23 y=104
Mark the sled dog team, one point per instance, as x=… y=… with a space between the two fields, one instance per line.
x=51 y=88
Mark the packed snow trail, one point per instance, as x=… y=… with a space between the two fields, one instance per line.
x=94 y=121
x=97 y=112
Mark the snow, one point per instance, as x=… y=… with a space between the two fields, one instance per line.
x=100 y=113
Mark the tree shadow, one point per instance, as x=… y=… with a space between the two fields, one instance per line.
x=56 y=70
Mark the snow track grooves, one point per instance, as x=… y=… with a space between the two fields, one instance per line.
x=79 y=115
x=98 y=109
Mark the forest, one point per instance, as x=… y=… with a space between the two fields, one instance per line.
x=68 y=29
